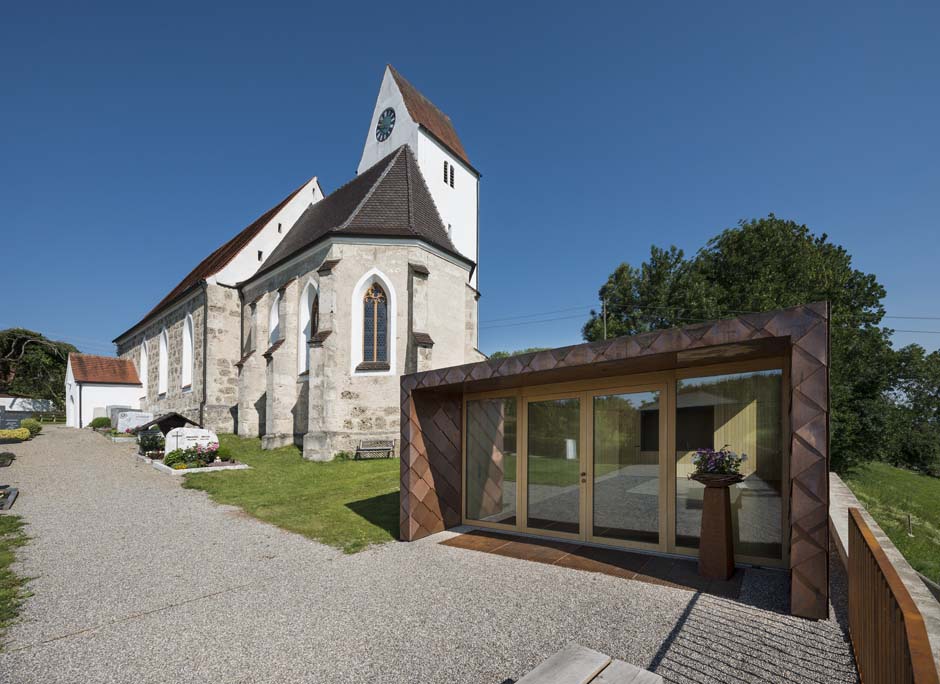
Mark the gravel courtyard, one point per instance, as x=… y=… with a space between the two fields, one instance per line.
x=138 y=580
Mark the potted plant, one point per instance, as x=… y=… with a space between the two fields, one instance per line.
x=717 y=470
x=720 y=468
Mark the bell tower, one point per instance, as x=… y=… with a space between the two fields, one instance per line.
x=403 y=116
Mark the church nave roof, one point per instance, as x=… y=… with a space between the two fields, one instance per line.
x=389 y=199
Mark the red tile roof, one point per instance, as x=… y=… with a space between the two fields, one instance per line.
x=216 y=261
x=103 y=369
x=425 y=113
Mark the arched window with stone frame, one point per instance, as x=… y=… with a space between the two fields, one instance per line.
x=274 y=319
x=308 y=319
x=163 y=368
x=375 y=328
x=143 y=368
x=188 y=353
x=373 y=325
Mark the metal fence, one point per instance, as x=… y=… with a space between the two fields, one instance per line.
x=888 y=633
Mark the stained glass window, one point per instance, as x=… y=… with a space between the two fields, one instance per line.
x=375 y=325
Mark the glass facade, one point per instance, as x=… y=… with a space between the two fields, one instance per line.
x=554 y=465
x=491 y=460
x=626 y=467
x=742 y=412
x=629 y=482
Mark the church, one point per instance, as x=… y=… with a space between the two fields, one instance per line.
x=299 y=328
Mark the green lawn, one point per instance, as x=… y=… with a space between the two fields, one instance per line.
x=12 y=588
x=890 y=494
x=552 y=471
x=346 y=504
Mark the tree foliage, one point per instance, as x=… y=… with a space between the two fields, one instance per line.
x=765 y=264
x=505 y=354
x=32 y=365
x=914 y=419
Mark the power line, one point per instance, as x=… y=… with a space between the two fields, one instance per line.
x=516 y=321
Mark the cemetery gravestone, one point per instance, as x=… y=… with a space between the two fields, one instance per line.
x=186 y=438
x=128 y=420
x=114 y=411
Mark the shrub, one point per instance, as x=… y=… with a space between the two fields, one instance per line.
x=151 y=441
x=193 y=457
x=100 y=422
x=17 y=435
x=34 y=426
x=174 y=457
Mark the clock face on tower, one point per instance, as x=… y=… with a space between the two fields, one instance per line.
x=386 y=123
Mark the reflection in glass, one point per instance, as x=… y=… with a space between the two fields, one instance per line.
x=554 y=472
x=741 y=411
x=491 y=460
x=626 y=466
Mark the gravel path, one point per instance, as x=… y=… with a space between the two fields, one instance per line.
x=137 y=580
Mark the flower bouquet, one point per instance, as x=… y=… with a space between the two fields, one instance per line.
x=719 y=468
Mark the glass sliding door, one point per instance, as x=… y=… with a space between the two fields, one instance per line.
x=626 y=467
x=491 y=460
x=743 y=412
x=553 y=465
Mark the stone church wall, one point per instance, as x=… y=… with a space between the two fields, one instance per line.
x=220 y=393
x=334 y=406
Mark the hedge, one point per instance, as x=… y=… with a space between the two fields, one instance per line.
x=17 y=435
x=34 y=426
x=100 y=422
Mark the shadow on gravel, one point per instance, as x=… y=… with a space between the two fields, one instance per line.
x=381 y=511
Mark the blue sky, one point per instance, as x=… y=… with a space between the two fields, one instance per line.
x=137 y=138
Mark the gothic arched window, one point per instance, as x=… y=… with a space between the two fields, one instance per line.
x=375 y=326
x=186 y=369
x=143 y=369
x=163 y=368
x=309 y=315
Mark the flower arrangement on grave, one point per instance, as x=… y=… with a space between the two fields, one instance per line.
x=197 y=456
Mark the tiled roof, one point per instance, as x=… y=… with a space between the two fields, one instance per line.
x=220 y=258
x=425 y=113
x=389 y=199
x=103 y=369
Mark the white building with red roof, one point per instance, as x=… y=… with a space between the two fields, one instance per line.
x=96 y=382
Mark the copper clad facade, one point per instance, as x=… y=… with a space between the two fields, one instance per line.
x=431 y=404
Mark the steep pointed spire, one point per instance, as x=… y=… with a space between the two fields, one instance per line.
x=427 y=115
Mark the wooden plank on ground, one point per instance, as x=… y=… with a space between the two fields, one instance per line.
x=572 y=665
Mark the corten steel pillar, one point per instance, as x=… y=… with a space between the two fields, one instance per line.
x=716 y=545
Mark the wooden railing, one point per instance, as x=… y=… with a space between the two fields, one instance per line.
x=887 y=629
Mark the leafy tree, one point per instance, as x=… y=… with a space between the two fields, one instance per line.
x=666 y=289
x=32 y=365
x=766 y=264
x=914 y=419
x=505 y=354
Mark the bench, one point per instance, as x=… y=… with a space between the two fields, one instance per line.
x=375 y=447
x=579 y=665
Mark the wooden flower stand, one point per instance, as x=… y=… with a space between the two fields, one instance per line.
x=716 y=545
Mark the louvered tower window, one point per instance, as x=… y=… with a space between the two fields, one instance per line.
x=375 y=326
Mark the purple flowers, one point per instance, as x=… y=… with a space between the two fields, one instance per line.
x=722 y=462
